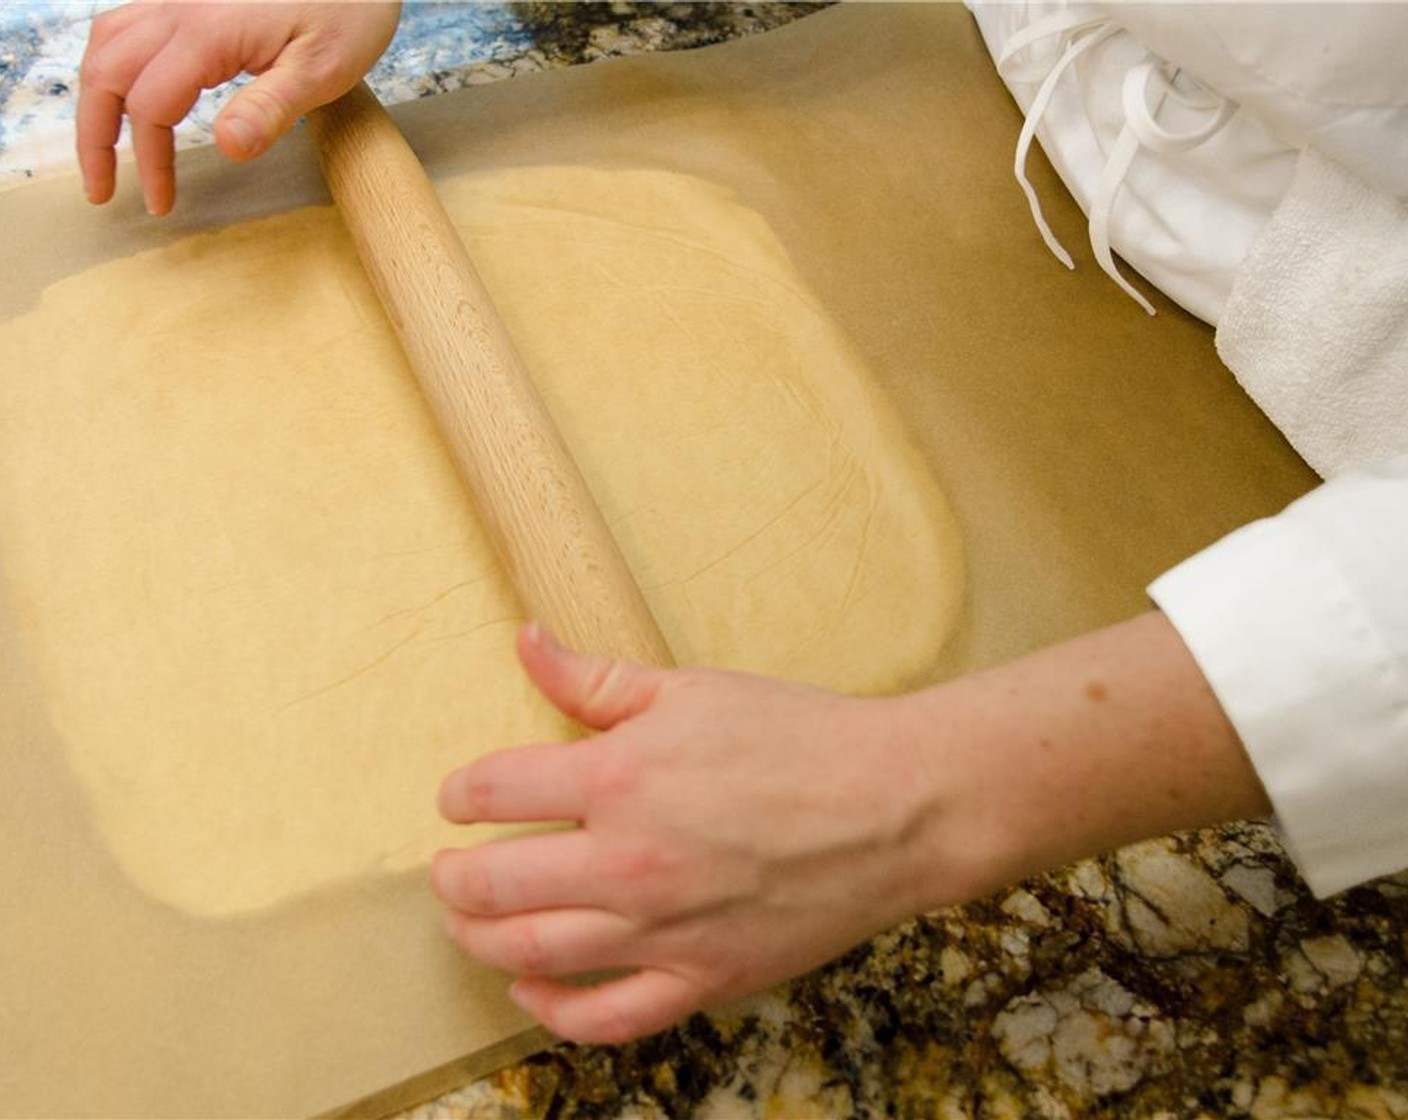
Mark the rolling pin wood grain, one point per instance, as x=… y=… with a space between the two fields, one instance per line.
x=544 y=522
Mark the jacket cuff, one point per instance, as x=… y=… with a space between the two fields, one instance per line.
x=1300 y=624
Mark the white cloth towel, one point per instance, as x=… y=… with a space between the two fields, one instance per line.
x=1316 y=326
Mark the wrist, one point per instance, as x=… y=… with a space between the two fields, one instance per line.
x=960 y=840
x=1073 y=751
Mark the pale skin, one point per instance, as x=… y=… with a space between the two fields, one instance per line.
x=735 y=831
x=150 y=62
x=732 y=831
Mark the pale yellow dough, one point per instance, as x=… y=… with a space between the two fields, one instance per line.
x=264 y=616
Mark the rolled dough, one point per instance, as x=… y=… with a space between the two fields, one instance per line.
x=263 y=613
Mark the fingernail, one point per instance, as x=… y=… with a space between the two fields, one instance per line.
x=447 y=923
x=445 y=781
x=440 y=875
x=540 y=637
x=244 y=134
x=450 y=779
x=515 y=993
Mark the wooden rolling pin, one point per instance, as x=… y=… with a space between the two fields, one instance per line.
x=543 y=520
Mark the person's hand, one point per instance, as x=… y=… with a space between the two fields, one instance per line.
x=150 y=61
x=734 y=831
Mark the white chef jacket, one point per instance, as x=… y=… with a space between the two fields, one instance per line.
x=1251 y=161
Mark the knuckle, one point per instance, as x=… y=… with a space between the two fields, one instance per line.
x=106 y=26
x=478 y=892
x=141 y=108
x=524 y=951
x=163 y=107
x=95 y=71
x=102 y=26
x=323 y=67
x=602 y=680
x=613 y=1024
x=268 y=105
x=649 y=882
x=480 y=795
x=635 y=865
x=615 y=776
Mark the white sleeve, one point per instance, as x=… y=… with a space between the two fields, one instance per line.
x=1300 y=623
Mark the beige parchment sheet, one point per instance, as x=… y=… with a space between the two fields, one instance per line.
x=864 y=156
x=266 y=615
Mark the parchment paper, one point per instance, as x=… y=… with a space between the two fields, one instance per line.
x=1085 y=448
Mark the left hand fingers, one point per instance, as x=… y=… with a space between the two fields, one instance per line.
x=542 y=782
x=611 y=1013
x=548 y=943
x=540 y=872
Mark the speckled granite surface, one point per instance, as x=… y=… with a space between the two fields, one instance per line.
x=1193 y=977
x=1190 y=977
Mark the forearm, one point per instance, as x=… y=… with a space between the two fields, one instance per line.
x=1075 y=750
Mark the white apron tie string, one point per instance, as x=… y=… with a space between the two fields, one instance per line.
x=1077 y=30
x=1096 y=31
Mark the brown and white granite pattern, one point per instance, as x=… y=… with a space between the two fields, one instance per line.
x=1188 y=977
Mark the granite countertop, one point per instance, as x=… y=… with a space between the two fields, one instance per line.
x=1187 y=977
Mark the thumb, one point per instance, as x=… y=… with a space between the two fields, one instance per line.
x=599 y=692
x=261 y=112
